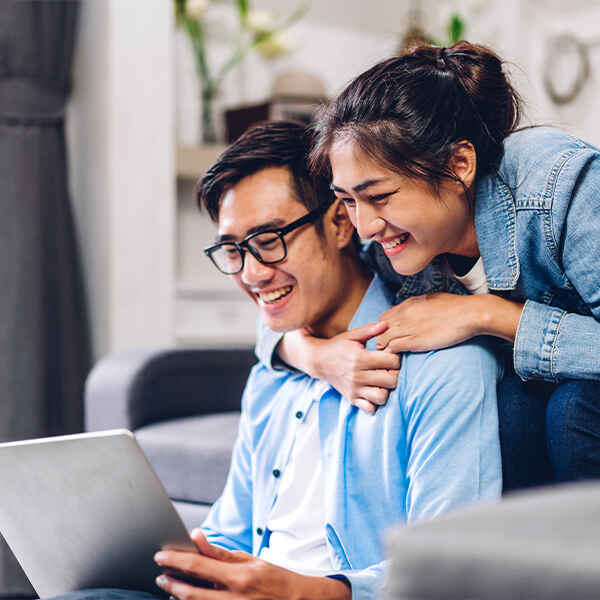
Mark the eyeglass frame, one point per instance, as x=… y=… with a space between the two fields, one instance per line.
x=243 y=246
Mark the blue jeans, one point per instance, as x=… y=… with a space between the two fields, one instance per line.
x=548 y=432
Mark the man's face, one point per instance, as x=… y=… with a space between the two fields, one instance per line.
x=303 y=289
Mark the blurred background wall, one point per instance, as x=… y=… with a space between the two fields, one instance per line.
x=136 y=101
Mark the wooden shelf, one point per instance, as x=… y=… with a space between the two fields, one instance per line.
x=193 y=161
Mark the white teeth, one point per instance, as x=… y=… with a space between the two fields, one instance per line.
x=396 y=242
x=273 y=296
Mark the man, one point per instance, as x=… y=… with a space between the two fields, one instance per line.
x=314 y=482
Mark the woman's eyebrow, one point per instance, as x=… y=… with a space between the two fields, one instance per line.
x=357 y=188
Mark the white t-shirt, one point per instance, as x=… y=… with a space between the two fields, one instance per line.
x=475 y=281
x=297 y=521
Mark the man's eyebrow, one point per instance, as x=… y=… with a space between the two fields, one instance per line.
x=357 y=188
x=273 y=224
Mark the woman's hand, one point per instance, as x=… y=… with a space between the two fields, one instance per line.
x=240 y=576
x=434 y=321
x=364 y=377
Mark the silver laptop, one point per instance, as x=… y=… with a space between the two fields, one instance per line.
x=86 y=511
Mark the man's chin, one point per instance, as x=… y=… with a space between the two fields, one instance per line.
x=279 y=325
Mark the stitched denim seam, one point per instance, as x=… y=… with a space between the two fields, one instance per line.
x=554 y=344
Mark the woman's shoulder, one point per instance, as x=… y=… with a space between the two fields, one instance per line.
x=534 y=156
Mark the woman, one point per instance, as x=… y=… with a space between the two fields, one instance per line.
x=423 y=150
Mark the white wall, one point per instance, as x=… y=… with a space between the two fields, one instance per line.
x=136 y=92
x=120 y=128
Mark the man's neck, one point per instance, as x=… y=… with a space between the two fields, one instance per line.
x=353 y=286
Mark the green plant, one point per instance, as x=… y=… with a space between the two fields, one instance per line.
x=257 y=30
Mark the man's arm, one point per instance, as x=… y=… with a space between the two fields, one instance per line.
x=452 y=428
x=229 y=522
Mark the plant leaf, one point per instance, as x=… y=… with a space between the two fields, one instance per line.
x=456 y=28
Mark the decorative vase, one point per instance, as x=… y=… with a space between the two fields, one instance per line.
x=208 y=133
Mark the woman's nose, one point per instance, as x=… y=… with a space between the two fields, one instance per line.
x=368 y=222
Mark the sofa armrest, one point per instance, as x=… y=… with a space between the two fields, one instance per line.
x=132 y=389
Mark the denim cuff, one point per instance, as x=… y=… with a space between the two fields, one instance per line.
x=536 y=340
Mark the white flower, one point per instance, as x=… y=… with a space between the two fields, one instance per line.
x=260 y=21
x=196 y=8
x=276 y=45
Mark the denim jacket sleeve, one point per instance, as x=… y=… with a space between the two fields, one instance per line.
x=551 y=343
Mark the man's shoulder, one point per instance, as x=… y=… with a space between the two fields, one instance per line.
x=456 y=368
x=264 y=384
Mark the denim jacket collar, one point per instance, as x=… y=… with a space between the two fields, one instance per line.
x=495 y=224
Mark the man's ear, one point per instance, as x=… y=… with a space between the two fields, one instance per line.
x=342 y=226
x=463 y=162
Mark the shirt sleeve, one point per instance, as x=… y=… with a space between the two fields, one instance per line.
x=551 y=343
x=229 y=522
x=453 y=447
x=266 y=343
x=366 y=584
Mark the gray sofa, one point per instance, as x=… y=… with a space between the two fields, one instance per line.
x=536 y=545
x=183 y=406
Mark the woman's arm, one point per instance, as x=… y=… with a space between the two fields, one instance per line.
x=363 y=376
x=551 y=343
x=441 y=320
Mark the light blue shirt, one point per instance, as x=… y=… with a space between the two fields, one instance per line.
x=433 y=447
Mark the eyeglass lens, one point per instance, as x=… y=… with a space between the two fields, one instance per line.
x=268 y=246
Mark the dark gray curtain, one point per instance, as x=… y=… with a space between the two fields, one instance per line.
x=44 y=350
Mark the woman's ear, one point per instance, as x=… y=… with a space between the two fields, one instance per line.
x=342 y=226
x=463 y=162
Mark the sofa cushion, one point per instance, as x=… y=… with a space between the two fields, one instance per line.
x=191 y=456
x=542 y=545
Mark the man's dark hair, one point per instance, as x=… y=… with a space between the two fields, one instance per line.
x=271 y=144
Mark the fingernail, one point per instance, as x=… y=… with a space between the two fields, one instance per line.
x=196 y=531
x=159 y=557
x=162 y=580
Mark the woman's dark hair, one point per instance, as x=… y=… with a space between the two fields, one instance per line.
x=270 y=144
x=408 y=112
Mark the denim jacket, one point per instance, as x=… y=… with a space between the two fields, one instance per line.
x=538 y=226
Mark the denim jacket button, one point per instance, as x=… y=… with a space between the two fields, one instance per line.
x=276 y=472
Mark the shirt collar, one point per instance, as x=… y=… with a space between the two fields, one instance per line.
x=495 y=224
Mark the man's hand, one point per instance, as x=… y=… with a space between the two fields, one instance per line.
x=238 y=575
x=364 y=377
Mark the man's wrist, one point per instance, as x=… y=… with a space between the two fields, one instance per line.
x=322 y=588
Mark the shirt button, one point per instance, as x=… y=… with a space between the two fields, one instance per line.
x=259 y=531
x=299 y=414
x=276 y=472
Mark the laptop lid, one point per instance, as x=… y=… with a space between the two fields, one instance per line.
x=86 y=511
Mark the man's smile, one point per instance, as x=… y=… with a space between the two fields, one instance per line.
x=272 y=296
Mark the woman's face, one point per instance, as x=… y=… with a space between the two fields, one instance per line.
x=412 y=223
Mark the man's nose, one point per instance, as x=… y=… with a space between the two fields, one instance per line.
x=368 y=221
x=254 y=272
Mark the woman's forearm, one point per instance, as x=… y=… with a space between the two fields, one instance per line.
x=496 y=316
x=298 y=350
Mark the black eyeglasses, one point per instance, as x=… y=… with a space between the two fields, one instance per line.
x=267 y=247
